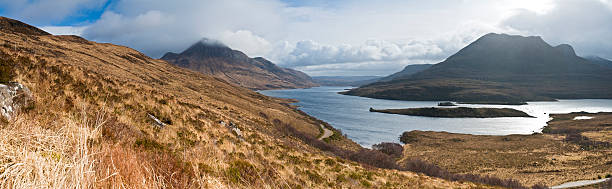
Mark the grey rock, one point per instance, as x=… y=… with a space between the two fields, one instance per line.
x=13 y=98
x=157 y=121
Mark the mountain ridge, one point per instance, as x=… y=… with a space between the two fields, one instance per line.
x=214 y=58
x=500 y=68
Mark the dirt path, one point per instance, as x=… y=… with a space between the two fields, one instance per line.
x=579 y=183
x=326 y=133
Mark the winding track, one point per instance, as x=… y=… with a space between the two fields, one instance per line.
x=326 y=132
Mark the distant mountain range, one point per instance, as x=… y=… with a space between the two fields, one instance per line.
x=501 y=68
x=600 y=61
x=213 y=58
x=407 y=71
x=356 y=81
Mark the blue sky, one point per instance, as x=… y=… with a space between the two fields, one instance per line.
x=322 y=37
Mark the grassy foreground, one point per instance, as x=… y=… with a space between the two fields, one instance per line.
x=568 y=150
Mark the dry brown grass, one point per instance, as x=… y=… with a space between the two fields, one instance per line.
x=192 y=151
x=54 y=156
x=531 y=159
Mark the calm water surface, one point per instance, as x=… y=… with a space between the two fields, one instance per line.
x=350 y=114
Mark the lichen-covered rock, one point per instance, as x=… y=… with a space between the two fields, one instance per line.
x=13 y=98
x=157 y=122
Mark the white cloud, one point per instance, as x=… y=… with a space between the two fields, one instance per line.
x=335 y=37
x=584 y=24
x=64 y=30
x=308 y=52
x=247 y=42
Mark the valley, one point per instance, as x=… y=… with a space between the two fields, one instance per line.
x=316 y=94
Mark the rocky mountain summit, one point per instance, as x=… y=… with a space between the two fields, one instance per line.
x=214 y=58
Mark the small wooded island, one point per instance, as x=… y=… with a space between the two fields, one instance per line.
x=460 y=112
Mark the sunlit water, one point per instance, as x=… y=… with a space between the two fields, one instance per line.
x=351 y=115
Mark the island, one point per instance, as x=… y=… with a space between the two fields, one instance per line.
x=446 y=104
x=500 y=102
x=460 y=112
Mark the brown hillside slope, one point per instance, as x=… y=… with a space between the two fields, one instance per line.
x=213 y=58
x=90 y=127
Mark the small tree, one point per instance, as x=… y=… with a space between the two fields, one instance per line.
x=391 y=149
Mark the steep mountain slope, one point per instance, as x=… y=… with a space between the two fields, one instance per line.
x=500 y=68
x=600 y=61
x=213 y=58
x=407 y=71
x=107 y=116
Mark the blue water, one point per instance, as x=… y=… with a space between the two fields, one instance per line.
x=351 y=115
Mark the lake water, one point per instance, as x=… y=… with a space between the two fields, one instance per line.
x=351 y=115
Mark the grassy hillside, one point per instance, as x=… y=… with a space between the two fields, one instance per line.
x=90 y=127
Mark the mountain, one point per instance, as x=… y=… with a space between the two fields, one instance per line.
x=357 y=81
x=501 y=68
x=8 y=25
x=600 y=61
x=407 y=71
x=107 y=116
x=213 y=58
x=345 y=80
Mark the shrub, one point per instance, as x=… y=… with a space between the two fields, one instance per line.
x=585 y=142
x=241 y=171
x=408 y=137
x=389 y=148
x=148 y=144
x=7 y=69
x=374 y=158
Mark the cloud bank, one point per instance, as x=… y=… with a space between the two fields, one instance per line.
x=585 y=24
x=328 y=37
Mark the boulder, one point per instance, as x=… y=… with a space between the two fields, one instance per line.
x=14 y=97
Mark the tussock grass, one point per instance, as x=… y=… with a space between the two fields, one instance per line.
x=54 y=156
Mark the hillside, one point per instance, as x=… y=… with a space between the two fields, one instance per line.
x=406 y=72
x=600 y=61
x=107 y=116
x=344 y=80
x=501 y=68
x=213 y=58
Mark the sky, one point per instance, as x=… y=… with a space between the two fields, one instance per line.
x=324 y=37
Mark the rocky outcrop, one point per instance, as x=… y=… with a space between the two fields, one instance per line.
x=14 y=97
